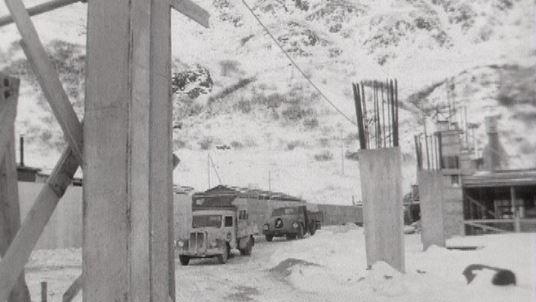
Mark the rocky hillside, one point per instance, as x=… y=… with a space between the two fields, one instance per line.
x=235 y=88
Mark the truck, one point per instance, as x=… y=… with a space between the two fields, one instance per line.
x=292 y=222
x=220 y=223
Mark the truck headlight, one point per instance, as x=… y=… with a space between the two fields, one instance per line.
x=180 y=243
x=295 y=225
x=266 y=227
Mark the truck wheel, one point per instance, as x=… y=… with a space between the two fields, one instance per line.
x=290 y=236
x=269 y=238
x=312 y=231
x=184 y=260
x=247 y=250
x=222 y=259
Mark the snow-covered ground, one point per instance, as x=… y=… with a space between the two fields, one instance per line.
x=331 y=266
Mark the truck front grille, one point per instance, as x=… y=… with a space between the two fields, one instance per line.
x=197 y=241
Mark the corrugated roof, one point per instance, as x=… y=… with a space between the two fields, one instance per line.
x=252 y=193
x=503 y=178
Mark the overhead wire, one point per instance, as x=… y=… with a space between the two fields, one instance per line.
x=324 y=97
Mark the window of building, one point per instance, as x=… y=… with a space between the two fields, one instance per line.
x=228 y=221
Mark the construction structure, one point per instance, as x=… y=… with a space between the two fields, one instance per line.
x=9 y=196
x=376 y=105
x=463 y=193
x=124 y=149
x=439 y=179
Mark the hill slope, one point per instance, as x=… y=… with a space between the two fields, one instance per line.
x=235 y=87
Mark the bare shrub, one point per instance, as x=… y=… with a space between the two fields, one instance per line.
x=237 y=145
x=206 y=142
x=324 y=156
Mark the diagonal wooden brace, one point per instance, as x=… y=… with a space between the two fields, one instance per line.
x=73 y=290
x=192 y=11
x=21 y=247
x=47 y=77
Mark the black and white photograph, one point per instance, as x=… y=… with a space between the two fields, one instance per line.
x=267 y=150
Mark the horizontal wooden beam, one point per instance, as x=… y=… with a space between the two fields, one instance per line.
x=21 y=247
x=192 y=11
x=39 y=9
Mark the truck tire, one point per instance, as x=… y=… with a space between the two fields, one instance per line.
x=184 y=260
x=290 y=236
x=247 y=250
x=269 y=238
x=312 y=231
x=222 y=259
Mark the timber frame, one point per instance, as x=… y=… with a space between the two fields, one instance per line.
x=21 y=246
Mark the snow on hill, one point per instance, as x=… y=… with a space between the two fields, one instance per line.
x=235 y=87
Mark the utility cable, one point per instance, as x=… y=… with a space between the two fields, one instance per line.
x=296 y=65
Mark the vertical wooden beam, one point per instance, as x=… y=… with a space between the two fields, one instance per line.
x=515 y=212
x=9 y=194
x=9 y=88
x=127 y=179
x=381 y=176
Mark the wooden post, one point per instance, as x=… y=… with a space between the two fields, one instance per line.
x=9 y=195
x=44 y=291
x=127 y=130
x=515 y=212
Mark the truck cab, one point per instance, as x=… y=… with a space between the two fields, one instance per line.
x=291 y=222
x=218 y=226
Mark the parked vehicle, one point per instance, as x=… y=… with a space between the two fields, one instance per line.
x=292 y=222
x=219 y=224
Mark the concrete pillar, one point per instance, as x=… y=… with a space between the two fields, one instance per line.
x=381 y=178
x=127 y=152
x=431 y=193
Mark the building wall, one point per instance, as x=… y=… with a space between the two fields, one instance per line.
x=64 y=229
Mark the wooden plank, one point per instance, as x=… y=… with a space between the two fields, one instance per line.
x=485 y=227
x=21 y=247
x=9 y=90
x=9 y=197
x=73 y=290
x=481 y=206
x=105 y=221
x=192 y=11
x=127 y=178
x=382 y=206
x=39 y=9
x=47 y=77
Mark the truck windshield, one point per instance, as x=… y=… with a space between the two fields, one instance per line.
x=285 y=211
x=200 y=221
